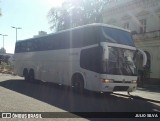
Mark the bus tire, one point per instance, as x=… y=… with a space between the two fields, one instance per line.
x=31 y=75
x=78 y=83
x=108 y=93
x=25 y=74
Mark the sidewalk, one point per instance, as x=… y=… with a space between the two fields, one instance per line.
x=148 y=92
x=152 y=88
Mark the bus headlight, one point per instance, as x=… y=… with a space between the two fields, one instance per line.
x=134 y=81
x=106 y=80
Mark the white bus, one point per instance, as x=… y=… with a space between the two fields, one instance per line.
x=96 y=57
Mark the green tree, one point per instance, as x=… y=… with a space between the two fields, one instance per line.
x=74 y=13
x=2 y=50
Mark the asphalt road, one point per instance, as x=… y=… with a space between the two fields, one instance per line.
x=17 y=95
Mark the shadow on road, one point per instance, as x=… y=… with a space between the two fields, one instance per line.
x=62 y=97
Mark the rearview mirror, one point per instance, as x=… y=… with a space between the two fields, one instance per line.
x=144 y=57
x=105 y=51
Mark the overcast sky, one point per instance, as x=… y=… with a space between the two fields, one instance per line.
x=30 y=15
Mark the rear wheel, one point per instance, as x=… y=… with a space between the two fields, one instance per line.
x=25 y=74
x=31 y=76
x=108 y=93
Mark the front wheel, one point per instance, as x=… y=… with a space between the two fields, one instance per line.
x=78 y=84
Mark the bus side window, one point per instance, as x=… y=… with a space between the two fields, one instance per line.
x=65 y=40
x=40 y=45
x=23 y=47
x=76 y=38
x=89 y=37
x=90 y=59
x=35 y=46
x=29 y=46
x=55 y=42
x=49 y=43
x=18 y=47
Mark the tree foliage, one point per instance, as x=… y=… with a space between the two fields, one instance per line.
x=74 y=13
x=2 y=50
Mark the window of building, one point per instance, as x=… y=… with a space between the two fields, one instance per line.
x=143 y=23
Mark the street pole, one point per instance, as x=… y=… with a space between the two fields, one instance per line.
x=16 y=30
x=3 y=42
x=16 y=34
x=3 y=38
x=2 y=35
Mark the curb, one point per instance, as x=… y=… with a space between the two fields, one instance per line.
x=138 y=97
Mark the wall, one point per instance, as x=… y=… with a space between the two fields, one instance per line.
x=132 y=11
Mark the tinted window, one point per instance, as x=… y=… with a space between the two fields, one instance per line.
x=91 y=59
x=68 y=39
x=17 y=48
x=30 y=46
x=116 y=36
x=90 y=37
x=20 y=47
x=76 y=38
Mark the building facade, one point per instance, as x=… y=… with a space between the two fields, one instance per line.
x=142 y=17
x=40 y=34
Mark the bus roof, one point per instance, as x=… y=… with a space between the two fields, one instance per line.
x=79 y=27
x=93 y=24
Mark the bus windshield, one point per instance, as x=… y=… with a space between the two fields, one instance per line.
x=116 y=36
x=120 y=62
